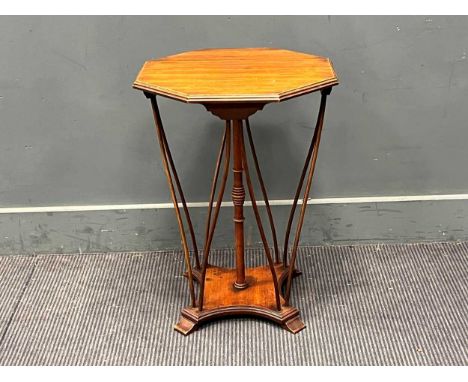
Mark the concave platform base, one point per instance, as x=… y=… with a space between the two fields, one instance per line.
x=223 y=299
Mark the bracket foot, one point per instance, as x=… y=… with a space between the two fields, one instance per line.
x=294 y=325
x=185 y=326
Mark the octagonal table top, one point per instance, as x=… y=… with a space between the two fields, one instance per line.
x=260 y=75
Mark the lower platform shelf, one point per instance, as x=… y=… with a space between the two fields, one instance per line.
x=222 y=299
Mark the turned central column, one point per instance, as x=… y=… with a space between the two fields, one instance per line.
x=238 y=197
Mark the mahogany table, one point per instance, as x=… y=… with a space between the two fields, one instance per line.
x=233 y=84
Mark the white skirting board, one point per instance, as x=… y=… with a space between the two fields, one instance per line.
x=91 y=229
x=277 y=202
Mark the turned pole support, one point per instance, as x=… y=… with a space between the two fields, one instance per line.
x=238 y=198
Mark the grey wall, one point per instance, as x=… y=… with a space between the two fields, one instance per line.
x=73 y=131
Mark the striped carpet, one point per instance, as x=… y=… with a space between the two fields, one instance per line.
x=363 y=305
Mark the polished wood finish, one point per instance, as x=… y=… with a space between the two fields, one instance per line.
x=264 y=192
x=179 y=188
x=233 y=84
x=315 y=145
x=259 y=75
x=223 y=299
x=238 y=197
x=259 y=224
x=164 y=154
x=233 y=110
x=208 y=233
x=210 y=228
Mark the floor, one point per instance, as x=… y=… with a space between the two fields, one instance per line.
x=363 y=305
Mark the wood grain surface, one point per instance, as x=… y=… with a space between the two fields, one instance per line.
x=220 y=291
x=259 y=75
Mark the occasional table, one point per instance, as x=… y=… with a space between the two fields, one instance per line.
x=233 y=84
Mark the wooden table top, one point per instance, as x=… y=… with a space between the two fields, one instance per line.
x=260 y=75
